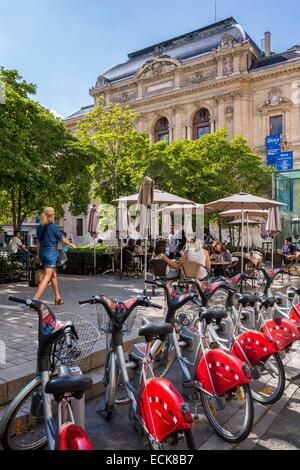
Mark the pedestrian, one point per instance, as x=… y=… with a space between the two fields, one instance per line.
x=48 y=237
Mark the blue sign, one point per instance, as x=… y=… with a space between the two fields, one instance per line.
x=284 y=161
x=273 y=142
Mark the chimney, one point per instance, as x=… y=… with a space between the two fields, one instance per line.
x=267 y=43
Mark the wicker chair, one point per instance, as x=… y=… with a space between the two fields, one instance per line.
x=191 y=269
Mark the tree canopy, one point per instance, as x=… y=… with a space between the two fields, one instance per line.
x=205 y=169
x=121 y=147
x=41 y=163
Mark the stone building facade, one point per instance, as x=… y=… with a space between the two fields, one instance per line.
x=212 y=78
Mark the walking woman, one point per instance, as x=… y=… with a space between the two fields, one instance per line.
x=48 y=236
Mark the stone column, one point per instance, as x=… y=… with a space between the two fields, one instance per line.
x=177 y=79
x=236 y=63
x=237 y=114
x=221 y=113
x=220 y=67
x=189 y=130
x=246 y=121
x=140 y=90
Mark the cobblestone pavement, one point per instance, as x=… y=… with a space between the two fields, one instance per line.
x=284 y=433
x=18 y=327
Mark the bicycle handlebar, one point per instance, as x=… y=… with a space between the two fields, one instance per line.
x=151 y=304
x=19 y=300
x=91 y=301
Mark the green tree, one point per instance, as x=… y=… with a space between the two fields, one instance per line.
x=206 y=169
x=41 y=163
x=121 y=147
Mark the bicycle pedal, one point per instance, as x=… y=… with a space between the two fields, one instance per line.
x=122 y=401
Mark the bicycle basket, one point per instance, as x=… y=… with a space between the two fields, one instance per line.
x=88 y=335
x=104 y=323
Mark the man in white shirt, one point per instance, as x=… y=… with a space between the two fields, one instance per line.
x=171 y=243
x=16 y=246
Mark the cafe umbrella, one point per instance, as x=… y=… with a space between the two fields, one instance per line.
x=273 y=227
x=92 y=229
x=243 y=202
x=144 y=206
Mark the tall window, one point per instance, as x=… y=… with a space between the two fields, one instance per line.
x=276 y=125
x=201 y=123
x=161 y=130
x=79 y=227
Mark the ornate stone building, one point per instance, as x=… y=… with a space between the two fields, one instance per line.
x=212 y=78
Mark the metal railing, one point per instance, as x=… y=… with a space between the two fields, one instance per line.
x=14 y=267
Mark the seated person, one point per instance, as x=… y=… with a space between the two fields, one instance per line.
x=219 y=253
x=128 y=256
x=173 y=266
x=195 y=252
x=16 y=246
x=289 y=251
x=138 y=249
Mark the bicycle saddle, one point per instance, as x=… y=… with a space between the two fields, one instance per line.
x=69 y=383
x=248 y=299
x=267 y=301
x=209 y=314
x=155 y=330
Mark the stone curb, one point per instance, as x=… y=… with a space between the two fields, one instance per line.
x=15 y=378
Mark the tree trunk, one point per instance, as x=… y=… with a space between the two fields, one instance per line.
x=13 y=209
x=220 y=230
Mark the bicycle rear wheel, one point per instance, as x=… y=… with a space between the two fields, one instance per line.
x=231 y=415
x=180 y=440
x=25 y=425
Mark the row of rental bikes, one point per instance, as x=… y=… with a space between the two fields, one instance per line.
x=224 y=346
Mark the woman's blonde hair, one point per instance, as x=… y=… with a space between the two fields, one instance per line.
x=46 y=214
x=195 y=243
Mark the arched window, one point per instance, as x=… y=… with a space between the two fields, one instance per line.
x=201 y=123
x=161 y=130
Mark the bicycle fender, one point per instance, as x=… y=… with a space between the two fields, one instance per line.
x=220 y=371
x=73 y=437
x=283 y=331
x=295 y=313
x=160 y=408
x=254 y=345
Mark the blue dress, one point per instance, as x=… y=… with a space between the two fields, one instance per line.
x=48 y=236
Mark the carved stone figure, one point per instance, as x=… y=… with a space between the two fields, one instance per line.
x=228 y=66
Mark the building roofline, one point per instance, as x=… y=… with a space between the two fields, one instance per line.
x=226 y=22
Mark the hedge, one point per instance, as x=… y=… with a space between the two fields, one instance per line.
x=81 y=260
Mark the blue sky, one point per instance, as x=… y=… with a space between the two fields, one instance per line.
x=63 y=45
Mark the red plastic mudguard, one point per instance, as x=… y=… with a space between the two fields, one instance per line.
x=283 y=331
x=160 y=408
x=255 y=345
x=225 y=369
x=73 y=437
x=295 y=314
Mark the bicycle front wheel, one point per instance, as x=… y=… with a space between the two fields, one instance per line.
x=24 y=428
x=269 y=387
x=231 y=415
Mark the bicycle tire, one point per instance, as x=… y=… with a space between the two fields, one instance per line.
x=110 y=387
x=271 y=399
x=15 y=407
x=221 y=432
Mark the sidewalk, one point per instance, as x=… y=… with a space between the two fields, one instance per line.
x=18 y=327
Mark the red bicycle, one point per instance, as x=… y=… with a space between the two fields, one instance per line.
x=41 y=414
x=158 y=410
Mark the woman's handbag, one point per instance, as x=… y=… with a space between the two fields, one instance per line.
x=35 y=275
x=62 y=255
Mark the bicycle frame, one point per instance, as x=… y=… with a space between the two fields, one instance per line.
x=50 y=331
x=152 y=400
